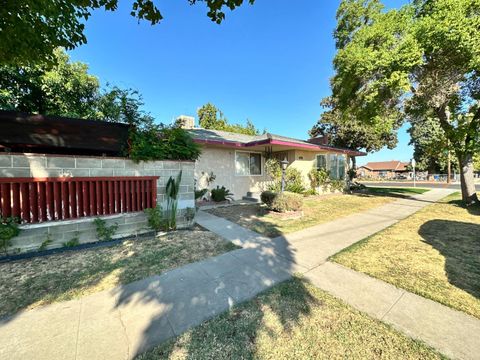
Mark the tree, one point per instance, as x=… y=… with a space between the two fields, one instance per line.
x=30 y=30
x=431 y=148
x=476 y=162
x=414 y=62
x=210 y=117
x=349 y=133
x=66 y=88
x=63 y=88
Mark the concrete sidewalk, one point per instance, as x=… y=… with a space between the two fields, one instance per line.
x=125 y=321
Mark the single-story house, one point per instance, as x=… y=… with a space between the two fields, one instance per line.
x=238 y=160
x=385 y=169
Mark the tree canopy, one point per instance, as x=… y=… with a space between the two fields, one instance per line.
x=30 y=30
x=210 y=117
x=416 y=62
x=66 y=88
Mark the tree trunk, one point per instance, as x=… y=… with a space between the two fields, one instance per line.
x=467 y=182
x=354 y=167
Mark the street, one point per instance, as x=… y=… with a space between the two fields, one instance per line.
x=430 y=185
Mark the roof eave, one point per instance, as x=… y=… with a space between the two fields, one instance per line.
x=278 y=142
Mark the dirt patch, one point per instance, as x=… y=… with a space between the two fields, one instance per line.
x=32 y=282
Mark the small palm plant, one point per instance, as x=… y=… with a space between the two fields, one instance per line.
x=172 y=189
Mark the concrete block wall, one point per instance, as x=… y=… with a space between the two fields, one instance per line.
x=59 y=232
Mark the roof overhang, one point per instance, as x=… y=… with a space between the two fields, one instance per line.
x=289 y=144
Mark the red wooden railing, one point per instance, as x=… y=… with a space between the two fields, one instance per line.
x=44 y=199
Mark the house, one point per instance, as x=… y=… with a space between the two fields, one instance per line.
x=238 y=161
x=385 y=170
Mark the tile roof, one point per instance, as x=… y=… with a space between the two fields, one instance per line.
x=393 y=165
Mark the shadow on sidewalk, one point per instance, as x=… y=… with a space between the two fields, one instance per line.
x=459 y=243
x=200 y=291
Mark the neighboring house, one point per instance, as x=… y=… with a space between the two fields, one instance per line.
x=238 y=161
x=385 y=170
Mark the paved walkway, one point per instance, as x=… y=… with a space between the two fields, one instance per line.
x=125 y=321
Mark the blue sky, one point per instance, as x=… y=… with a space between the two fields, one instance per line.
x=269 y=63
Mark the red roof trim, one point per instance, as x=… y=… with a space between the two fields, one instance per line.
x=279 y=142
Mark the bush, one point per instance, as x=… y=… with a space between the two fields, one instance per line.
x=104 y=232
x=199 y=194
x=155 y=218
x=221 y=194
x=159 y=142
x=267 y=197
x=287 y=201
x=318 y=178
x=321 y=178
x=310 y=192
x=293 y=177
x=8 y=230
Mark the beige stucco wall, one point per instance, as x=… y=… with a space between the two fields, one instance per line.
x=222 y=162
x=304 y=161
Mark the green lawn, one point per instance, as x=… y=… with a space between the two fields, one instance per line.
x=293 y=320
x=38 y=281
x=317 y=210
x=395 y=191
x=434 y=253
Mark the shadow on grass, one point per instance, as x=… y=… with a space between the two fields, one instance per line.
x=171 y=304
x=235 y=334
x=459 y=243
x=402 y=193
x=70 y=275
x=473 y=209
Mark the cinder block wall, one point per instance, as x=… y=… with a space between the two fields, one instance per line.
x=59 y=232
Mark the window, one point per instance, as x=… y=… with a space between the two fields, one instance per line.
x=321 y=162
x=248 y=163
x=333 y=163
x=341 y=166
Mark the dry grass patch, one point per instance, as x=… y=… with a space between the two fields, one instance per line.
x=293 y=320
x=316 y=210
x=30 y=283
x=434 y=253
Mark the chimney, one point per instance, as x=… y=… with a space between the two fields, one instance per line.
x=319 y=140
x=186 y=122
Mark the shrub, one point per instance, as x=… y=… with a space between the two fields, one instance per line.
x=337 y=185
x=200 y=193
x=310 y=192
x=74 y=241
x=160 y=142
x=318 y=178
x=155 y=218
x=8 y=230
x=287 y=201
x=267 y=197
x=293 y=177
x=221 y=194
x=171 y=190
x=273 y=169
x=190 y=214
x=321 y=178
x=104 y=232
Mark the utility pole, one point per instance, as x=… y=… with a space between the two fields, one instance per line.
x=449 y=164
x=413 y=166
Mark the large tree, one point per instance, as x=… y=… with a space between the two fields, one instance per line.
x=418 y=61
x=30 y=30
x=431 y=149
x=210 y=117
x=66 y=88
x=350 y=133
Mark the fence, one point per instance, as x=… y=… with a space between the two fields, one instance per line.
x=44 y=199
